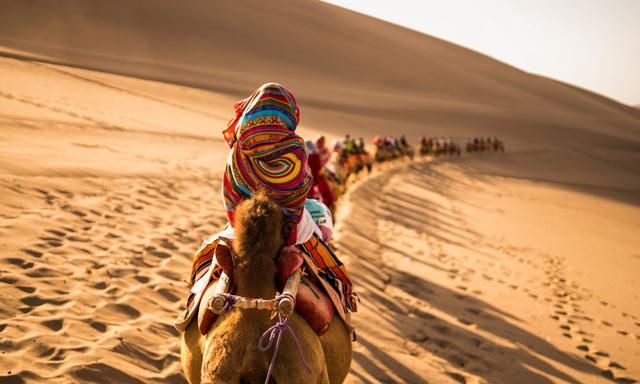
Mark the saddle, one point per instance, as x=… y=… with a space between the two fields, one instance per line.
x=312 y=301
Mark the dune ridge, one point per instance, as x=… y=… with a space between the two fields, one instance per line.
x=339 y=62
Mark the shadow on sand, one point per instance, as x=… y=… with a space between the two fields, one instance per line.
x=526 y=357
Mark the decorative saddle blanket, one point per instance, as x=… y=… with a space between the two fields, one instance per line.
x=325 y=285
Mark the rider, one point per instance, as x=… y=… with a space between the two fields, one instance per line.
x=267 y=154
x=323 y=151
x=361 y=145
x=348 y=145
x=319 y=181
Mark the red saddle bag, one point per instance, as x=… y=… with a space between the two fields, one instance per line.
x=312 y=303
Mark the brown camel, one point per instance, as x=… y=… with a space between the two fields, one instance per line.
x=229 y=352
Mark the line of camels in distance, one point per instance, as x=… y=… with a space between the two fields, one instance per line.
x=351 y=156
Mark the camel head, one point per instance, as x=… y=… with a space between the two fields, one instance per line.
x=258 y=223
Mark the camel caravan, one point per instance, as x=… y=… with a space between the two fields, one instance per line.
x=389 y=148
x=481 y=144
x=438 y=146
x=269 y=300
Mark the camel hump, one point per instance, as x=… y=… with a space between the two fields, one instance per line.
x=258 y=224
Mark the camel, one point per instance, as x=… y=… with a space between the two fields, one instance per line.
x=342 y=172
x=407 y=150
x=229 y=352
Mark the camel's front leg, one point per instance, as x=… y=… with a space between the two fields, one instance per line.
x=191 y=353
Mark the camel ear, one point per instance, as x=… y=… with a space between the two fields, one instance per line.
x=224 y=256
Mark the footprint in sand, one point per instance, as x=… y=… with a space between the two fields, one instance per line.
x=66 y=194
x=583 y=347
x=80 y=239
x=468 y=323
x=156 y=253
x=100 y=246
x=100 y=285
x=566 y=327
x=54 y=324
x=32 y=252
x=475 y=311
x=52 y=242
x=78 y=212
x=26 y=289
x=55 y=232
x=19 y=263
x=36 y=301
x=561 y=312
x=611 y=369
x=8 y=279
x=167 y=244
x=98 y=326
x=169 y=295
x=612 y=374
x=462 y=379
x=606 y=323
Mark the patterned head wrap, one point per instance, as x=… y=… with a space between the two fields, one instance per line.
x=266 y=154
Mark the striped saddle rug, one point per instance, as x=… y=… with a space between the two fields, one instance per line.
x=325 y=288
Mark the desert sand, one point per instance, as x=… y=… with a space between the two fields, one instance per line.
x=497 y=268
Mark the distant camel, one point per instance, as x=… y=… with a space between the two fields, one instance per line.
x=229 y=352
x=407 y=150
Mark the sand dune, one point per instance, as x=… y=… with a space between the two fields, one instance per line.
x=98 y=222
x=462 y=276
x=349 y=70
x=493 y=268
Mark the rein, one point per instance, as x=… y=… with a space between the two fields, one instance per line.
x=282 y=305
x=275 y=331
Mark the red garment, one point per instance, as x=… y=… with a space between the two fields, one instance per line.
x=315 y=164
x=325 y=155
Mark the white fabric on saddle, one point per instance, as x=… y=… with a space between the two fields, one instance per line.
x=321 y=215
x=306 y=228
x=185 y=318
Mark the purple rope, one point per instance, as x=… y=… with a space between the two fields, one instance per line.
x=230 y=303
x=275 y=331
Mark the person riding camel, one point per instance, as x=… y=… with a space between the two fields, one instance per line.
x=348 y=145
x=267 y=155
x=359 y=145
x=323 y=151
x=319 y=181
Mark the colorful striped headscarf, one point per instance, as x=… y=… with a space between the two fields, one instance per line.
x=267 y=154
